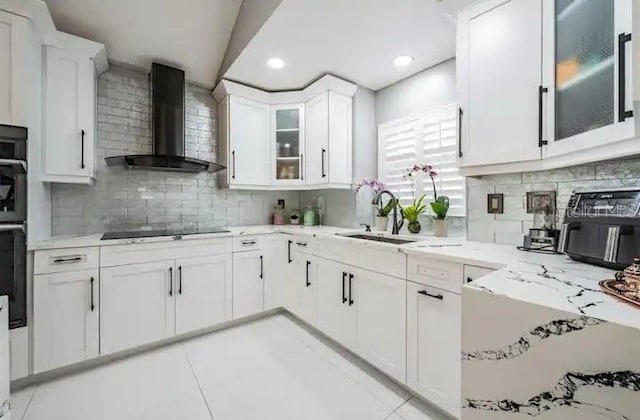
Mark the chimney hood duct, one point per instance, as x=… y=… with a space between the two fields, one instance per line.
x=167 y=118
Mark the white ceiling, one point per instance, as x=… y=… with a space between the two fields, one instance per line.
x=354 y=39
x=192 y=34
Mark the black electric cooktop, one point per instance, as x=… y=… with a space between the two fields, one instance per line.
x=132 y=234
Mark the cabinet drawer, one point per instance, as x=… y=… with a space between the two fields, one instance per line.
x=247 y=243
x=441 y=274
x=303 y=243
x=68 y=259
x=162 y=251
x=472 y=272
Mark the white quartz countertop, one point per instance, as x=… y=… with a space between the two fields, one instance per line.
x=553 y=281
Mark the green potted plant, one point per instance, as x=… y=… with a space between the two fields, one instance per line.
x=412 y=214
x=439 y=205
x=440 y=208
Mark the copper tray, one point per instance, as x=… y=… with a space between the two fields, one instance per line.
x=621 y=290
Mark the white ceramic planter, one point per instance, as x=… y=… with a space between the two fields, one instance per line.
x=440 y=227
x=382 y=223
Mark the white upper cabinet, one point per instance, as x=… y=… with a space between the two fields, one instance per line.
x=287 y=141
x=247 y=135
x=498 y=61
x=70 y=123
x=588 y=79
x=13 y=61
x=317 y=141
x=340 y=139
x=545 y=84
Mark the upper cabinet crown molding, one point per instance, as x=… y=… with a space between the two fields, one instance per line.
x=93 y=50
x=325 y=83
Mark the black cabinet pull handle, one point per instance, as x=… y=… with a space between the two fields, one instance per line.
x=350 y=295
x=179 y=279
x=93 y=306
x=344 y=293
x=469 y=279
x=289 y=252
x=308 y=282
x=248 y=243
x=82 y=149
x=541 y=91
x=233 y=158
x=170 y=281
x=324 y=151
x=67 y=260
x=623 y=114
x=301 y=167
x=301 y=244
x=425 y=293
x=460 y=113
x=261 y=267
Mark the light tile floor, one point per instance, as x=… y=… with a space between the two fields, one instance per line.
x=269 y=369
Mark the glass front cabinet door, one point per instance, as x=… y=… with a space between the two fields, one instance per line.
x=586 y=99
x=288 y=144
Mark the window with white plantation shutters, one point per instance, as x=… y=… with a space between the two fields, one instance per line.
x=428 y=138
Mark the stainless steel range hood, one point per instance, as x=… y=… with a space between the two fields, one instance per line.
x=167 y=116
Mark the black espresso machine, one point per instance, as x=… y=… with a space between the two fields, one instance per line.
x=602 y=227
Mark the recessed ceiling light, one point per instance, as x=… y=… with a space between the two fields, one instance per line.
x=403 y=60
x=275 y=63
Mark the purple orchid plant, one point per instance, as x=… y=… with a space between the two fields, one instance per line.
x=439 y=205
x=377 y=186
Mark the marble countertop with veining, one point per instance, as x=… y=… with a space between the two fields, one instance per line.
x=554 y=281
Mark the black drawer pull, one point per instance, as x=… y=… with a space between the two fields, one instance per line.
x=179 y=279
x=289 y=260
x=308 y=282
x=351 y=302
x=425 y=293
x=170 y=281
x=301 y=244
x=82 y=151
x=261 y=267
x=66 y=260
x=247 y=243
x=344 y=293
x=93 y=306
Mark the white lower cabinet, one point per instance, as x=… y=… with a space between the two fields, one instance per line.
x=434 y=345
x=65 y=318
x=289 y=274
x=382 y=328
x=248 y=284
x=365 y=312
x=305 y=272
x=336 y=313
x=204 y=287
x=138 y=305
x=274 y=278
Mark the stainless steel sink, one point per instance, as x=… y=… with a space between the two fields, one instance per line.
x=385 y=239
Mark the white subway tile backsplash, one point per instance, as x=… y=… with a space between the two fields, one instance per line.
x=123 y=199
x=509 y=227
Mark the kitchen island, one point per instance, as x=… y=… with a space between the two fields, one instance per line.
x=540 y=339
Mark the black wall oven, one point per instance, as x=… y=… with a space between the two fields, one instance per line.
x=13 y=216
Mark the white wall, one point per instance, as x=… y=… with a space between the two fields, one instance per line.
x=429 y=89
